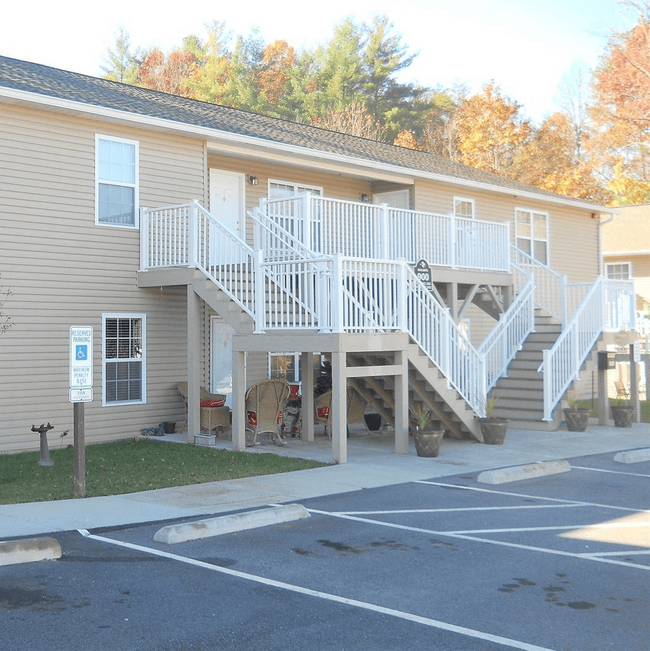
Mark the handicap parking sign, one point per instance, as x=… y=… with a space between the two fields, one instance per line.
x=81 y=353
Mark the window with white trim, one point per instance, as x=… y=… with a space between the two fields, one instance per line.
x=531 y=230
x=285 y=366
x=618 y=270
x=284 y=189
x=463 y=208
x=116 y=182
x=123 y=358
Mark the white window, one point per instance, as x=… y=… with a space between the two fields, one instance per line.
x=531 y=230
x=123 y=358
x=285 y=366
x=618 y=270
x=284 y=189
x=463 y=208
x=116 y=181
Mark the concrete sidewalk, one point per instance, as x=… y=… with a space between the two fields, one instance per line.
x=372 y=463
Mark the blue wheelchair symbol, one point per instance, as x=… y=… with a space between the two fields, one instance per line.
x=81 y=352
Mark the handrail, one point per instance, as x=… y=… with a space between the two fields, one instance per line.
x=508 y=335
x=550 y=286
x=561 y=364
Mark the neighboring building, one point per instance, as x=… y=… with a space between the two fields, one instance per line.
x=626 y=256
x=262 y=243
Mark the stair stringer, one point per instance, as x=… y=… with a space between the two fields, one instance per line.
x=230 y=311
x=438 y=385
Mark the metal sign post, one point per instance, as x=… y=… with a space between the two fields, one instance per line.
x=81 y=391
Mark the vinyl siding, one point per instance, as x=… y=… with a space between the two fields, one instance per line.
x=64 y=270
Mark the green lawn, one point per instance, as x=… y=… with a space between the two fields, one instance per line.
x=645 y=408
x=129 y=466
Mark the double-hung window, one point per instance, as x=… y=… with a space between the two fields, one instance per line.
x=116 y=182
x=531 y=228
x=284 y=189
x=463 y=208
x=618 y=270
x=124 y=359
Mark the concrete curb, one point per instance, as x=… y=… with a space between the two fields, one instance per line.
x=29 y=550
x=177 y=533
x=633 y=456
x=517 y=473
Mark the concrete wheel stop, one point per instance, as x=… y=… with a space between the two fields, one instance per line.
x=517 y=473
x=29 y=550
x=177 y=533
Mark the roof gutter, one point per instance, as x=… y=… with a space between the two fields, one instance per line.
x=247 y=142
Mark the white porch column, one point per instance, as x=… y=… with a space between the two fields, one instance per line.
x=307 y=408
x=339 y=409
x=238 y=400
x=402 y=404
x=193 y=364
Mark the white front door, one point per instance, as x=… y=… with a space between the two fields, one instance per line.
x=221 y=362
x=227 y=204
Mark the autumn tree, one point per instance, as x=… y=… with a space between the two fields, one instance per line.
x=621 y=111
x=169 y=74
x=353 y=120
x=491 y=132
x=440 y=122
x=120 y=63
x=551 y=160
x=213 y=69
x=273 y=76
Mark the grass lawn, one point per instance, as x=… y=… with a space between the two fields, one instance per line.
x=645 y=408
x=130 y=466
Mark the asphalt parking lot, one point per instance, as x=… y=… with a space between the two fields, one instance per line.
x=555 y=562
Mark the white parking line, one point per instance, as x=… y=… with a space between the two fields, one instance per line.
x=467 y=536
x=530 y=497
x=433 y=623
x=464 y=509
x=613 y=472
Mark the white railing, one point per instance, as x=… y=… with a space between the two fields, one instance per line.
x=550 y=286
x=561 y=364
x=620 y=305
x=379 y=232
x=189 y=236
x=508 y=336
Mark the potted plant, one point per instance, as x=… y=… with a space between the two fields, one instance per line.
x=577 y=418
x=622 y=413
x=493 y=427
x=425 y=434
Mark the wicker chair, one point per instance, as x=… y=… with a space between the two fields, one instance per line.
x=212 y=417
x=323 y=409
x=264 y=402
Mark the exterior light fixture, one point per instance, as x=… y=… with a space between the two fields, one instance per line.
x=253 y=180
x=365 y=197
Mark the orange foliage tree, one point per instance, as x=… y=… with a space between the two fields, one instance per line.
x=490 y=132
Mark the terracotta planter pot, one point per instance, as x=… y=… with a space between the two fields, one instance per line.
x=622 y=416
x=427 y=442
x=494 y=430
x=576 y=419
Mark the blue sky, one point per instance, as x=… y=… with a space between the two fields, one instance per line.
x=526 y=46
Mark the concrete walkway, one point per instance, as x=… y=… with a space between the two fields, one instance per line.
x=372 y=463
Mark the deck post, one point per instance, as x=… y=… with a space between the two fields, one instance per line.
x=193 y=364
x=339 y=409
x=238 y=401
x=402 y=404
x=307 y=408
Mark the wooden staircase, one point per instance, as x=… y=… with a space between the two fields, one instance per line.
x=427 y=387
x=521 y=392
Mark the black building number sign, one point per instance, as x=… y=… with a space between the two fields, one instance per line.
x=423 y=272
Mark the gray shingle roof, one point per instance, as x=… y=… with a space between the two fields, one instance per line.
x=93 y=91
